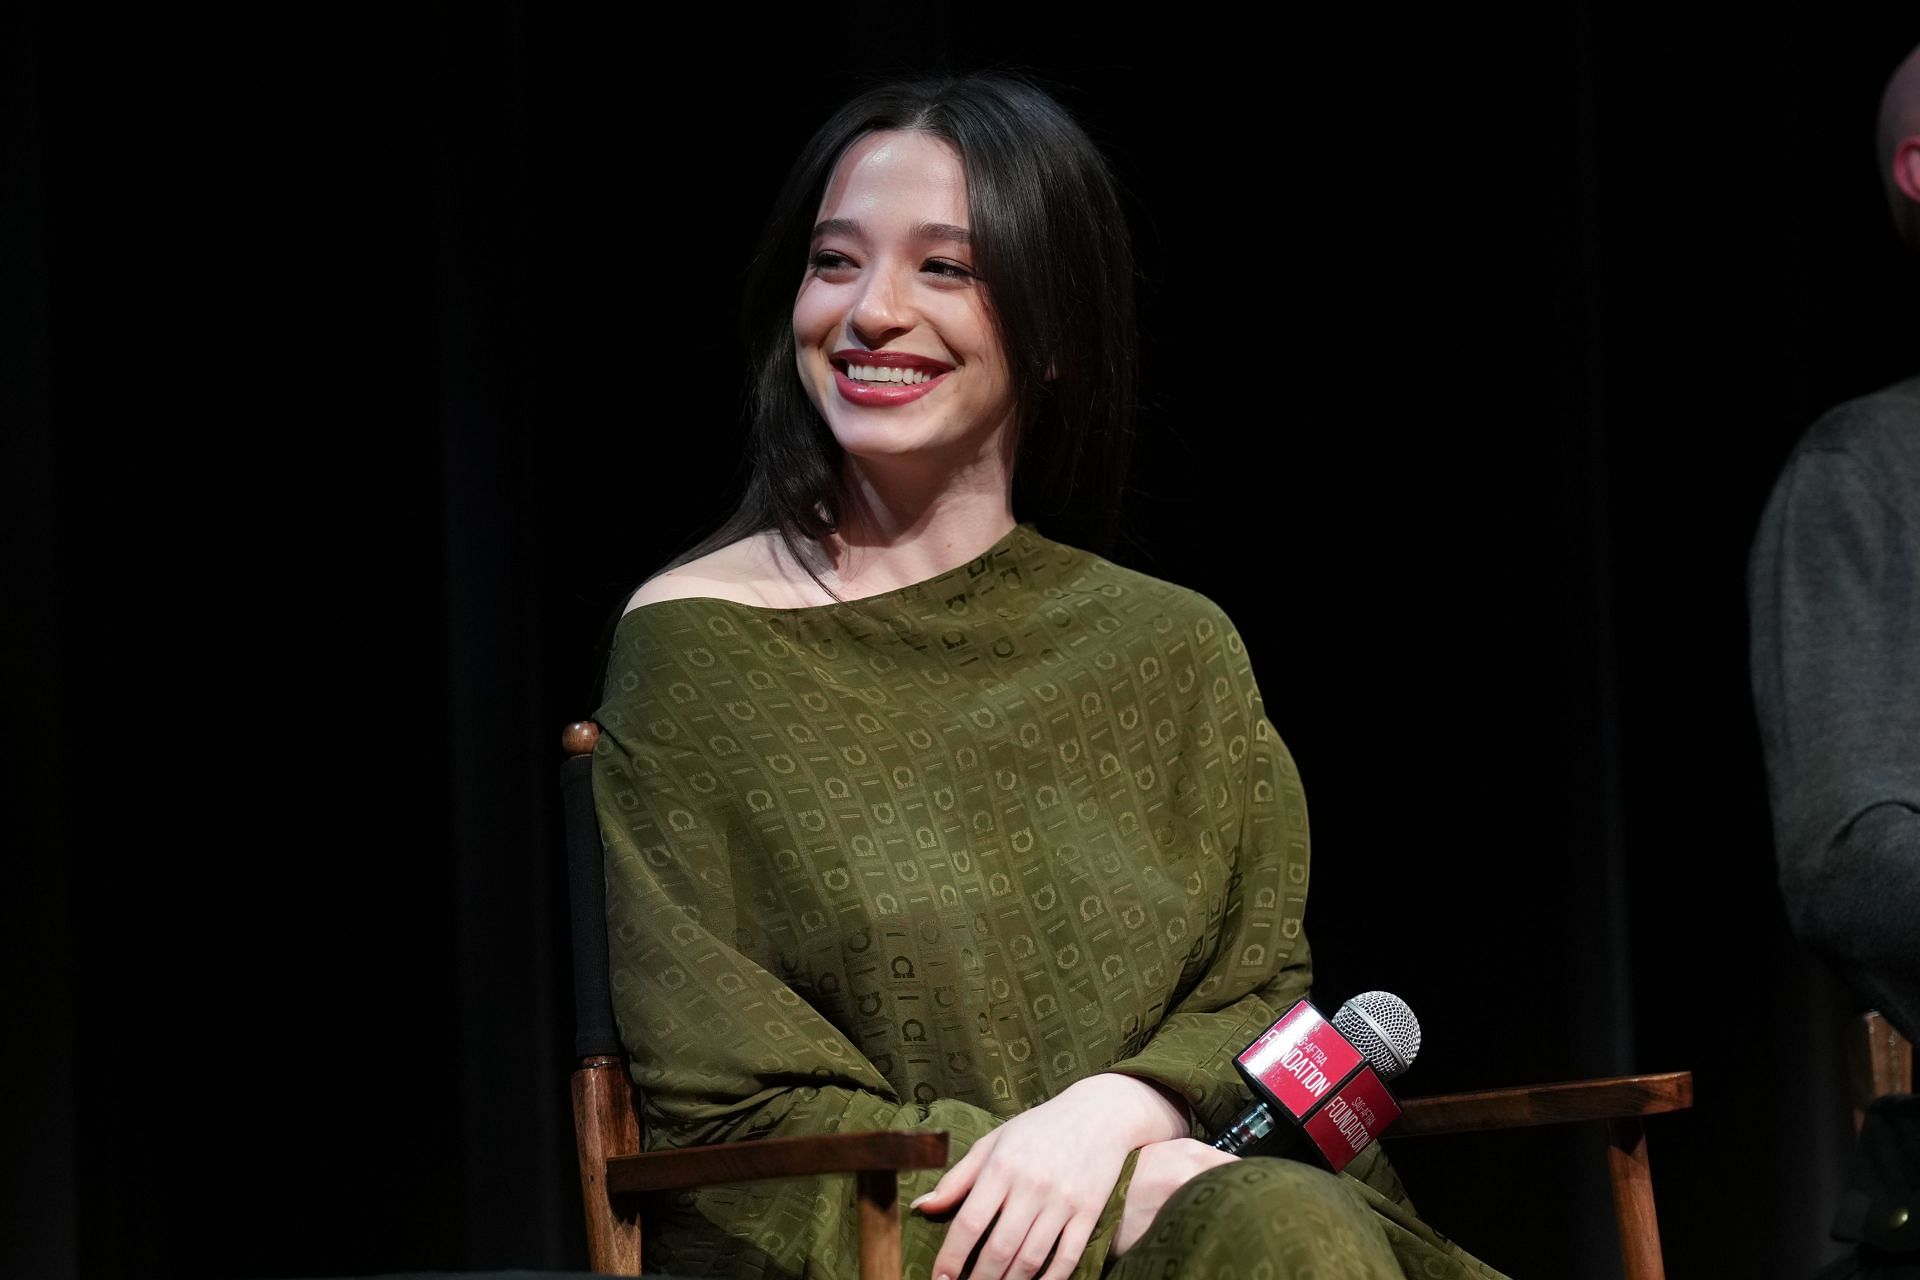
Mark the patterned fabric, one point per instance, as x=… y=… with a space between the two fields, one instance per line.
x=924 y=859
x=1289 y=1221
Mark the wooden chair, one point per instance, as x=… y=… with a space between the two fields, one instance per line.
x=615 y=1172
x=1879 y=1061
x=1618 y=1106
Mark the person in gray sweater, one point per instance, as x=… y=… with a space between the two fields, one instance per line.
x=1834 y=592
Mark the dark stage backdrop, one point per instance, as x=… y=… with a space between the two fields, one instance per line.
x=357 y=366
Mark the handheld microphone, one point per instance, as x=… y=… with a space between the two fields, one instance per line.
x=1325 y=1080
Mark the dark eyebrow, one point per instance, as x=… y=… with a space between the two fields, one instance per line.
x=942 y=231
x=920 y=231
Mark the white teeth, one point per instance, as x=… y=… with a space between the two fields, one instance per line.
x=879 y=373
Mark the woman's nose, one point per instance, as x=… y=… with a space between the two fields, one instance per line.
x=881 y=311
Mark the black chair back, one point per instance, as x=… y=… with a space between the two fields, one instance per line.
x=594 y=1028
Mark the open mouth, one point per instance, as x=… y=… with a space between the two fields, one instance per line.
x=884 y=379
x=885 y=375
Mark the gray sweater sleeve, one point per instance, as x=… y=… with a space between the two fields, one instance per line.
x=1834 y=590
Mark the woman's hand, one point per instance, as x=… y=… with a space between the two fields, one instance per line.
x=1040 y=1180
x=1163 y=1168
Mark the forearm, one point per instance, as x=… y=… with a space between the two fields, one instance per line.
x=1147 y=1110
x=1192 y=1053
x=677 y=1120
x=1856 y=895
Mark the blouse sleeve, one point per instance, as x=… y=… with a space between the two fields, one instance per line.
x=1259 y=961
x=722 y=1050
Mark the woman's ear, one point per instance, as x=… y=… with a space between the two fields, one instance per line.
x=1050 y=375
x=1906 y=168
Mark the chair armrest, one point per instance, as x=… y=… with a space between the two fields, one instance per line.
x=887 y=1149
x=1879 y=1060
x=1567 y=1103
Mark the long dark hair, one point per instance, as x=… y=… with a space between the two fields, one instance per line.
x=1047 y=232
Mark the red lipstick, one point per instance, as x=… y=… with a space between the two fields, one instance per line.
x=885 y=394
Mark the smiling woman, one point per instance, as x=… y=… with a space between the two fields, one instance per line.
x=894 y=336
x=963 y=827
x=967 y=230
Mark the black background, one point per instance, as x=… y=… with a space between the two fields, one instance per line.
x=355 y=367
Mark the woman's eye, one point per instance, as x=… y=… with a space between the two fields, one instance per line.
x=828 y=262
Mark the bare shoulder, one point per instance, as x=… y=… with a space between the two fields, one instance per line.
x=741 y=571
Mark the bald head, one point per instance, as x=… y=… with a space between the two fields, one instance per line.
x=1900 y=146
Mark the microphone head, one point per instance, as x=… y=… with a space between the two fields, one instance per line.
x=1383 y=1029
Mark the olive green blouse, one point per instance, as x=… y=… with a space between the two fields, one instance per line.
x=923 y=859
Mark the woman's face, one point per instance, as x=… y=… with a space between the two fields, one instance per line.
x=892 y=333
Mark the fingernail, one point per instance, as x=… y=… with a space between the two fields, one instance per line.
x=916 y=1203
